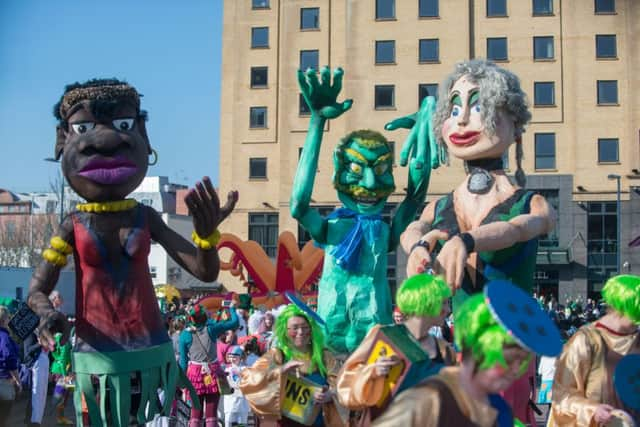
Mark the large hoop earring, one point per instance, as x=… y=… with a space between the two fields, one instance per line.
x=155 y=157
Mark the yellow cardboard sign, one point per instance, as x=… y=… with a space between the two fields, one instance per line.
x=383 y=349
x=297 y=401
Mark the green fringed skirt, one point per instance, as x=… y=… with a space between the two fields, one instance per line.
x=156 y=367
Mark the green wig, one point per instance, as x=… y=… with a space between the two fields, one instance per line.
x=622 y=293
x=479 y=335
x=422 y=295
x=317 y=338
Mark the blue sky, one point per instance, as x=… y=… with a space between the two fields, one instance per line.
x=169 y=50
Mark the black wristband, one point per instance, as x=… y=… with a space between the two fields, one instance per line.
x=469 y=241
x=420 y=243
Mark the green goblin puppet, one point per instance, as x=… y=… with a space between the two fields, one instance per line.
x=354 y=293
x=103 y=146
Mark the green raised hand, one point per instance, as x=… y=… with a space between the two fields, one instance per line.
x=421 y=142
x=320 y=95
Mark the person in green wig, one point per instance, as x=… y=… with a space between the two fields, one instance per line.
x=467 y=394
x=300 y=351
x=583 y=393
x=424 y=301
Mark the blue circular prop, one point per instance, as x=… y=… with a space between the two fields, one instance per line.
x=626 y=380
x=520 y=314
x=304 y=307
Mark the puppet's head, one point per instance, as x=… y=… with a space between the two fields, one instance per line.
x=495 y=354
x=305 y=328
x=363 y=163
x=481 y=111
x=622 y=294
x=102 y=139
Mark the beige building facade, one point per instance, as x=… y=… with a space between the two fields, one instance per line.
x=578 y=61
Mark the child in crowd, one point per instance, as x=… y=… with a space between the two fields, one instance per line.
x=236 y=408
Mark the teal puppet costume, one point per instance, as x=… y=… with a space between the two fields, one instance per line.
x=353 y=291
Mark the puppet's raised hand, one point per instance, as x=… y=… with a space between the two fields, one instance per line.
x=421 y=142
x=320 y=95
x=204 y=206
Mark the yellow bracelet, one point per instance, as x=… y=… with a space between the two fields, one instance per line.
x=211 y=241
x=60 y=245
x=54 y=257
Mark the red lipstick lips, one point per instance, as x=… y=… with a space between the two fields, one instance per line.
x=466 y=138
x=109 y=171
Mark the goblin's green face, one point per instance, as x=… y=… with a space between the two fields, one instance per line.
x=363 y=175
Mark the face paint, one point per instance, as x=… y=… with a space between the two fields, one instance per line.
x=363 y=177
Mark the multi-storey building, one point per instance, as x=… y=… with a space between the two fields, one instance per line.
x=577 y=61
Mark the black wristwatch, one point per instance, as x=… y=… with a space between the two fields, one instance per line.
x=469 y=242
x=420 y=243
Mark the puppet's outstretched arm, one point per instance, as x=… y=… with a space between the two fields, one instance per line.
x=321 y=97
x=416 y=152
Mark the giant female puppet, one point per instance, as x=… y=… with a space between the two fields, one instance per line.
x=487 y=228
x=353 y=292
x=103 y=146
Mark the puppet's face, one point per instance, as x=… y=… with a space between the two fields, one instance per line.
x=363 y=175
x=499 y=378
x=464 y=131
x=104 y=158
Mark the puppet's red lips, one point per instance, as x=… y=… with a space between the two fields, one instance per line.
x=466 y=138
x=109 y=170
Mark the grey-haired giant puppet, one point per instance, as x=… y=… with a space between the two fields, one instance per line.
x=104 y=150
x=353 y=292
x=487 y=228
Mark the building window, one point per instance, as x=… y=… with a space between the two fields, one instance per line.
x=607 y=92
x=606 y=46
x=385 y=9
x=309 y=59
x=259 y=76
x=303 y=108
x=543 y=47
x=153 y=271
x=429 y=50
x=385 y=51
x=384 y=96
x=263 y=229
x=427 y=89
x=303 y=236
x=545 y=149
x=387 y=216
x=608 y=150
x=258 y=117
x=496 y=7
x=51 y=206
x=544 y=93
x=497 y=48
x=260 y=4
x=428 y=8
x=309 y=18
x=258 y=168
x=602 y=243
x=259 y=37
x=605 y=6
x=542 y=7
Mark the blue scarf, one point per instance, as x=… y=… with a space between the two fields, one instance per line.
x=347 y=252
